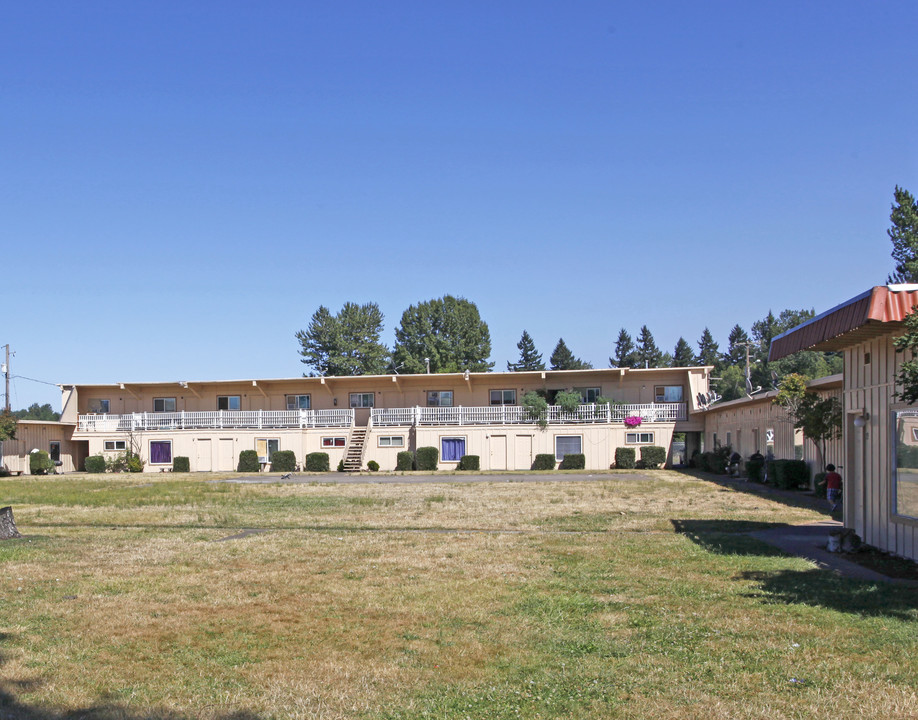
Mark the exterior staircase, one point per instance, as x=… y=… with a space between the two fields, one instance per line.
x=353 y=455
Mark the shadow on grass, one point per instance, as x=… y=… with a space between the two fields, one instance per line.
x=791 y=498
x=727 y=537
x=11 y=707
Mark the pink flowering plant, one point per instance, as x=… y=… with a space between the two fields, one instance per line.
x=632 y=421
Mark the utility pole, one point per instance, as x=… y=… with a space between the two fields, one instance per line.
x=6 y=375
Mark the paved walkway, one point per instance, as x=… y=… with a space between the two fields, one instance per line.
x=439 y=479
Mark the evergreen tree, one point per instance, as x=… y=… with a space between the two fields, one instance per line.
x=683 y=355
x=563 y=359
x=736 y=348
x=345 y=344
x=707 y=350
x=624 y=351
x=904 y=237
x=647 y=354
x=529 y=358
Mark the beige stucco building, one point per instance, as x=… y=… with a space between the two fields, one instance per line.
x=367 y=418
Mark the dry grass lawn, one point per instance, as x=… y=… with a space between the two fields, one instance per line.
x=633 y=596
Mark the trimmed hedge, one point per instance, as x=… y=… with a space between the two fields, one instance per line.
x=427 y=458
x=248 y=461
x=283 y=461
x=180 y=463
x=544 y=461
x=624 y=458
x=373 y=466
x=404 y=460
x=317 y=462
x=714 y=462
x=40 y=463
x=652 y=456
x=755 y=470
x=95 y=464
x=789 y=474
x=469 y=462
x=573 y=461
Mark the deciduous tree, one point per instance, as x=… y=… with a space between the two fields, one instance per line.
x=820 y=418
x=38 y=412
x=8 y=424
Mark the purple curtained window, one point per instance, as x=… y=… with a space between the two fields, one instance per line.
x=453 y=449
x=160 y=452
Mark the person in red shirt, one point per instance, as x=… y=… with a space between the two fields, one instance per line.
x=833 y=483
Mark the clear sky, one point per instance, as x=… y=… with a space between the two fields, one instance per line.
x=184 y=183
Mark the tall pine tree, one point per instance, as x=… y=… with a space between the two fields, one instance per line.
x=647 y=354
x=707 y=350
x=736 y=347
x=683 y=355
x=624 y=351
x=530 y=359
x=563 y=359
x=904 y=237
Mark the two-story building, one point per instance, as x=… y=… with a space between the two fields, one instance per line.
x=363 y=418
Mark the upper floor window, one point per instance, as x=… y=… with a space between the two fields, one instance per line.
x=229 y=402
x=164 y=404
x=589 y=395
x=667 y=393
x=299 y=402
x=362 y=400
x=95 y=405
x=503 y=397
x=440 y=398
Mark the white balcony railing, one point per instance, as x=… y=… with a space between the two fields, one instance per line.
x=516 y=415
x=216 y=420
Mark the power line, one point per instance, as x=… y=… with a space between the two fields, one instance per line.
x=43 y=382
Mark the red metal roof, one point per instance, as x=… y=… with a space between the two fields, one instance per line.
x=878 y=311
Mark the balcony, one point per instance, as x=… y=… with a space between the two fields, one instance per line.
x=517 y=415
x=215 y=420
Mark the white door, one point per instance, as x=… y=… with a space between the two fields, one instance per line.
x=523 y=452
x=204 y=461
x=498 y=445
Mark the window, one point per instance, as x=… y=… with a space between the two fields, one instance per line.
x=503 y=397
x=265 y=448
x=298 y=402
x=667 y=393
x=164 y=404
x=452 y=449
x=642 y=438
x=391 y=441
x=98 y=406
x=440 y=398
x=333 y=442
x=54 y=450
x=568 y=445
x=905 y=465
x=588 y=395
x=362 y=400
x=229 y=402
x=115 y=445
x=160 y=452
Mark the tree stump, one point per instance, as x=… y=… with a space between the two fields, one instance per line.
x=7 y=524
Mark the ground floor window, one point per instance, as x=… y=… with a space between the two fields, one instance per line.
x=391 y=441
x=164 y=404
x=114 y=445
x=229 y=402
x=645 y=438
x=568 y=445
x=452 y=449
x=265 y=448
x=362 y=400
x=905 y=461
x=299 y=402
x=54 y=450
x=160 y=452
x=333 y=442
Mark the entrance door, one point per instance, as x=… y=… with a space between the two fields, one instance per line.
x=523 y=452
x=204 y=461
x=225 y=458
x=498 y=452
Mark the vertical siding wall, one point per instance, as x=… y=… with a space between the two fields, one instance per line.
x=869 y=386
x=36 y=435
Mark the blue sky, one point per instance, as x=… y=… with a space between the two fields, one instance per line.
x=183 y=184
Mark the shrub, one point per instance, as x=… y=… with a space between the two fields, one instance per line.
x=788 y=474
x=341 y=465
x=469 y=462
x=133 y=463
x=283 y=461
x=40 y=463
x=317 y=462
x=372 y=466
x=545 y=461
x=95 y=464
x=180 y=463
x=117 y=463
x=573 y=461
x=536 y=408
x=427 y=458
x=754 y=469
x=818 y=478
x=569 y=402
x=652 y=456
x=248 y=461
x=404 y=460
x=624 y=458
